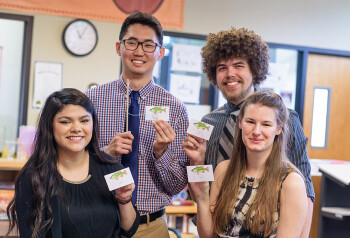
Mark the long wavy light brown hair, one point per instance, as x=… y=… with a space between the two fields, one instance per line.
x=277 y=165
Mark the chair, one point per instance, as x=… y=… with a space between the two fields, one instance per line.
x=175 y=231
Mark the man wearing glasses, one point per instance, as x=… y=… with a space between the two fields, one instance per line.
x=152 y=148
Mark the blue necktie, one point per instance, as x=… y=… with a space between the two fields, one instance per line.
x=131 y=160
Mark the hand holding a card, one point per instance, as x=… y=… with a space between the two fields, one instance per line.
x=123 y=194
x=127 y=211
x=199 y=191
x=195 y=148
x=165 y=134
x=121 y=144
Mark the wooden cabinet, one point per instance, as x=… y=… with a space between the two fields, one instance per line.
x=11 y=165
x=9 y=169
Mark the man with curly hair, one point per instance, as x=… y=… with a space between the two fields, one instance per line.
x=236 y=61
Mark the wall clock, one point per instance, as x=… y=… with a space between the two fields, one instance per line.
x=80 y=37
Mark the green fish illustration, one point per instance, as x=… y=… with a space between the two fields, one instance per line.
x=156 y=110
x=200 y=169
x=118 y=174
x=201 y=125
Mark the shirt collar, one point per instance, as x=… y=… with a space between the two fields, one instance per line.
x=143 y=92
x=232 y=107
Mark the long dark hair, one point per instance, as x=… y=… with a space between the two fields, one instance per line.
x=42 y=164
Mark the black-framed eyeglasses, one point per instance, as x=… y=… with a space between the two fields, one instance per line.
x=147 y=46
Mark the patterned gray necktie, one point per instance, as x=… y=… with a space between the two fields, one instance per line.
x=226 y=140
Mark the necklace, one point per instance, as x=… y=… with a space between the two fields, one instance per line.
x=77 y=173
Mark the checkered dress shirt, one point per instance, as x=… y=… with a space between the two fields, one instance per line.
x=296 y=147
x=158 y=180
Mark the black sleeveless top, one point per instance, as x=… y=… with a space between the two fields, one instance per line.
x=89 y=208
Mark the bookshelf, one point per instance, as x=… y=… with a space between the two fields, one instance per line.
x=9 y=169
x=11 y=164
x=179 y=217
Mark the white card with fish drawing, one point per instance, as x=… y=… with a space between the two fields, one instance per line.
x=119 y=179
x=154 y=113
x=200 y=129
x=200 y=173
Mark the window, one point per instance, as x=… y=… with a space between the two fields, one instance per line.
x=320 y=117
x=180 y=72
x=15 y=48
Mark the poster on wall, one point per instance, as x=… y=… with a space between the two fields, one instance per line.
x=186 y=88
x=47 y=79
x=281 y=82
x=170 y=13
x=186 y=58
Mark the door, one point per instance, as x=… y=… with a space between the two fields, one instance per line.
x=332 y=72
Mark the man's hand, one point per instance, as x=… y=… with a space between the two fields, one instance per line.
x=164 y=136
x=195 y=148
x=121 y=144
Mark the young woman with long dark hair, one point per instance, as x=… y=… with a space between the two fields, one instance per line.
x=61 y=190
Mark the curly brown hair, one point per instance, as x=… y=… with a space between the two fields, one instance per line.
x=236 y=43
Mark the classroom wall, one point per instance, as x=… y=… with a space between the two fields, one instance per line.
x=313 y=23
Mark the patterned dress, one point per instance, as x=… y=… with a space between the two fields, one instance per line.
x=246 y=194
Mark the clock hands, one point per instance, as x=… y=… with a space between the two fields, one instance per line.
x=78 y=34
x=82 y=33
x=80 y=37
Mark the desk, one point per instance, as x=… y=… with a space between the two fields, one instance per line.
x=334 y=212
x=316 y=180
x=181 y=209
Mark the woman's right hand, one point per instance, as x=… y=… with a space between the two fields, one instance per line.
x=200 y=190
x=124 y=193
x=195 y=148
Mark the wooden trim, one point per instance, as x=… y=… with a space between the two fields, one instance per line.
x=11 y=165
x=181 y=209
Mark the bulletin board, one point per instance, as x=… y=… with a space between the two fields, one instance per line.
x=180 y=72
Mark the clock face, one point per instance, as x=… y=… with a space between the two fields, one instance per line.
x=80 y=37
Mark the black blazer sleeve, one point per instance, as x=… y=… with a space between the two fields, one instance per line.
x=24 y=206
x=110 y=168
x=134 y=227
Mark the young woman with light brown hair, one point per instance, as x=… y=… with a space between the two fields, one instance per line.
x=258 y=192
